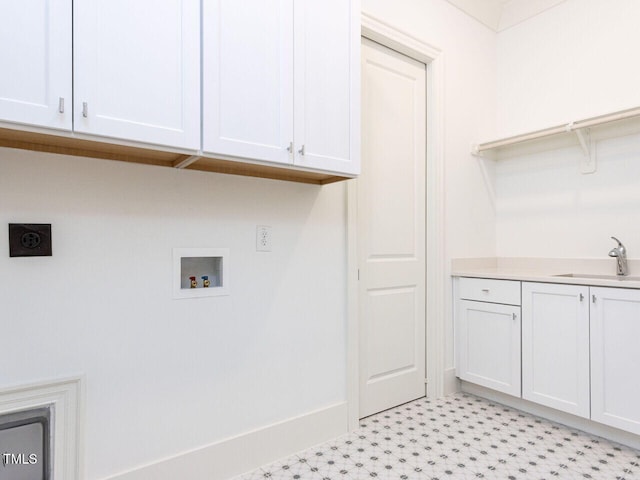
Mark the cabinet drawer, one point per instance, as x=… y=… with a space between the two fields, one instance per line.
x=489 y=290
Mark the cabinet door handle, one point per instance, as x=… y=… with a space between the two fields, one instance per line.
x=85 y=110
x=514 y=316
x=581 y=297
x=290 y=147
x=61 y=105
x=301 y=151
x=593 y=298
x=485 y=290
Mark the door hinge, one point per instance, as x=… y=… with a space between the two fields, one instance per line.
x=426 y=381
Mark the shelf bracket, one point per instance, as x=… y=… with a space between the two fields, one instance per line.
x=588 y=163
x=186 y=162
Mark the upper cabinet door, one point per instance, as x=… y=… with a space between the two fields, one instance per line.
x=35 y=54
x=137 y=70
x=327 y=84
x=248 y=79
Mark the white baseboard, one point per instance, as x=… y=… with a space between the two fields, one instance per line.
x=233 y=456
x=567 y=419
x=451 y=382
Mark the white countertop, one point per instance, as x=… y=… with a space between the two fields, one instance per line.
x=547 y=270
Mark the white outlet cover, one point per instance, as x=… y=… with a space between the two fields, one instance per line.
x=263 y=238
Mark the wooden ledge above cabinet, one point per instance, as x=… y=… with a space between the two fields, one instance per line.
x=66 y=145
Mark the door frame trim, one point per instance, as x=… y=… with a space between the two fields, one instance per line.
x=391 y=37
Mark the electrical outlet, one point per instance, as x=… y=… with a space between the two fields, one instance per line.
x=263 y=238
x=30 y=240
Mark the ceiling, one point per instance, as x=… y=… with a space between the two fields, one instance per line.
x=502 y=14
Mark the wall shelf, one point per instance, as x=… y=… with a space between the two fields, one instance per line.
x=581 y=129
x=69 y=144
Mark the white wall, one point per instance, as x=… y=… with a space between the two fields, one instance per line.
x=547 y=208
x=575 y=60
x=468 y=112
x=164 y=376
x=570 y=62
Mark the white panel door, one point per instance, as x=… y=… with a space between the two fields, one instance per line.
x=488 y=345
x=391 y=230
x=248 y=79
x=327 y=85
x=137 y=70
x=35 y=55
x=555 y=346
x=615 y=358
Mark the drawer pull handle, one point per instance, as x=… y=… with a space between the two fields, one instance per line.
x=485 y=290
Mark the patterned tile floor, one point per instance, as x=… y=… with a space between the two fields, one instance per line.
x=457 y=437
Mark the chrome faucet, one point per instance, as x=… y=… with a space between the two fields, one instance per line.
x=620 y=253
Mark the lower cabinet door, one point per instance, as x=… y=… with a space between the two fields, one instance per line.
x=555 y=346
x=615 y=357
x=488 y=341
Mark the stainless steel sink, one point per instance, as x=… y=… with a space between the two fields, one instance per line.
x=600 y=277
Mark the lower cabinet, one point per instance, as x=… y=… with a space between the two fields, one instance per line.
x=575 y=349
x=615 y=357
x=488 y=338
x=555 y=346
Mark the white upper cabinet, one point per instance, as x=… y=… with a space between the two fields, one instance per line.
x=137 y=70
x=282 y=82
x=35 y=54
x=248 y=78
x=327 y=85
x=238 y=87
